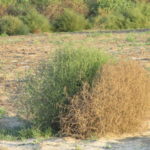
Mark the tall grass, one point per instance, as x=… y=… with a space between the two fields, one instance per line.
x=47 y=90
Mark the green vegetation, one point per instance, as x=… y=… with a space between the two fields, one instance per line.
x=2 y=112
x=49 y=89
x=36 y=22
x=70 y=21
x=76 y=86
x=12 y=25
x=99 y=14
x=22 y=134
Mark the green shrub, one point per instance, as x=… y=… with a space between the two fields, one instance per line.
x=56 y=8
x=47 y=91
x=41 y=4
x=12 y=25
x=133 y=17
x=33 y=132
x=110 y=20
x=19 y=9
x=70 y=21
x=2 y=112
x=36 y=22
x=7 y=2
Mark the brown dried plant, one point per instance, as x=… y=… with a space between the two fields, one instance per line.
x=117 y=103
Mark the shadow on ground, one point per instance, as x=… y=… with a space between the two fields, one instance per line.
x=132 y=143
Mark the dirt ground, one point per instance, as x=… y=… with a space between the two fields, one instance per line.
x=20 y=53
x=140 y=142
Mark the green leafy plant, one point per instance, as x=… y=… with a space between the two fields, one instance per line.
x=36 y=22
x=12 y=25
x=70 y=21
x=48 y=89
x=130 y=38
x=2 y=112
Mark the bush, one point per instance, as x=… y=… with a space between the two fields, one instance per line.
x=117 y=103
x=36 y=22
x=70 y=21
x=48 y=89
x=41 y=4
x=12 y=26
x=7 y=2
x=56 y=8
x=127 y=16
x=19 y=9
x=110 y=20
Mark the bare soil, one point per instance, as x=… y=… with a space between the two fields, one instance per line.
x=140 y=142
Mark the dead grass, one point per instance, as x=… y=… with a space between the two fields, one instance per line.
x=117 y=103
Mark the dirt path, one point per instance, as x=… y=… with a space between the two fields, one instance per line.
x=130 y=143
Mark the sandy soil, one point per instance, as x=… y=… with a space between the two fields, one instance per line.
x=141 y=142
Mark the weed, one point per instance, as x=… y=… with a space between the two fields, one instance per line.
x=70 y=21
x=48 y=89
x=23 y=134
x=36 y=21
x=130 y=38
x=2 y=112
x=34 y=133
x=117 y=103
x=12 y=25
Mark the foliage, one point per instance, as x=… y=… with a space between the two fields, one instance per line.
x=7 y=2
x=34 y=132
x=101 y=14
x=70 y=21
x=124 y=17
x=12 y=25
x=22 y=134
x=41 y=4
x=2 y=112
x=19 y=9
x=36 y=22
x=47 y=90
x=57 y=7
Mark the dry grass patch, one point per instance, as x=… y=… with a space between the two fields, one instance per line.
x=117 y=103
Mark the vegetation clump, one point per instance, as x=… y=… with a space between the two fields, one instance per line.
x=12 y=26
x=117 y=103
x=61 y=15
x=36 y=22
x=47 y=91
x=70 y=21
